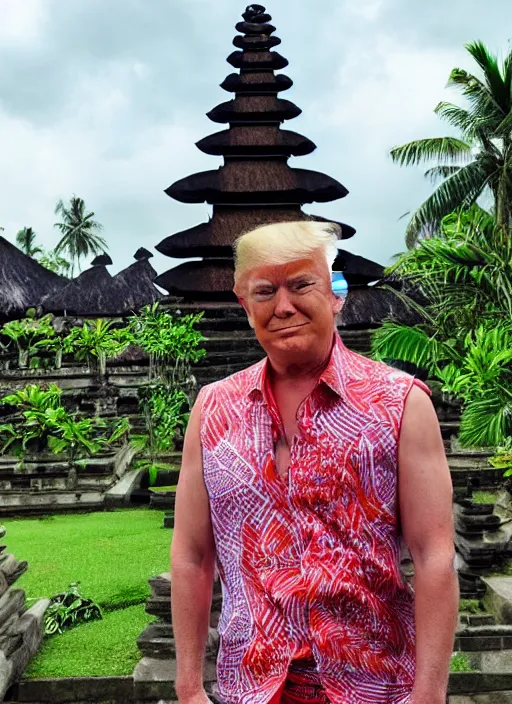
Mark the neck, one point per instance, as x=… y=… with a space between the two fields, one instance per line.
x=308 y=370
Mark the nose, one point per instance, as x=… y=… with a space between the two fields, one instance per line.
x=284 y=307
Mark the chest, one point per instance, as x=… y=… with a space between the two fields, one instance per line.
x=337 y=460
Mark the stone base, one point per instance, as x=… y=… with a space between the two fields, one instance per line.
x=498 y=599
x=154 y=679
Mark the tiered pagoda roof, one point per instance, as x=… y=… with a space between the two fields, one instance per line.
x=255 y=186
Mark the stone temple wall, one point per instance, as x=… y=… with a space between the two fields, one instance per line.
x=21 y=631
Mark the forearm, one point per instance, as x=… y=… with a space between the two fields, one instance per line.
x=436 y=614
x=191 y=595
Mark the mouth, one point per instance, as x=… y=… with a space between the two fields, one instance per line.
x=288 y=328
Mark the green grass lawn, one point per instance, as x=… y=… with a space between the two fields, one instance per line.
x=100 y=648
x=112 y=554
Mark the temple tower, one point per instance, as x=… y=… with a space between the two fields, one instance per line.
x=255 y=185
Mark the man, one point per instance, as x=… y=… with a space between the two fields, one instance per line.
x=300 y=476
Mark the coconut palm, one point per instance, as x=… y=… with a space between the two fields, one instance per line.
x=25 y=239
x=480 y=162
x=80 y=236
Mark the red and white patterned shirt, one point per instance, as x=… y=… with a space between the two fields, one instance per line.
x=310 y=568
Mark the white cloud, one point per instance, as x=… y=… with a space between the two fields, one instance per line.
x=21 y=20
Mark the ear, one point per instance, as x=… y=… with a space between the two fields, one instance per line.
x=244 y=305
x=337 y=304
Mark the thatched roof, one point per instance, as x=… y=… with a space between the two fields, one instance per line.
x=257 y=182
x=255 y=185
x=271 y=60
x=93 y=293
x=23 y=282
x=372 y=305
x=256 y=82
x=96 y=293
x=202 y=279
x=137 y=279
x=215 y=238
x=256 y=140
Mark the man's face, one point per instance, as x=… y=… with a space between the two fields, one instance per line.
x=292 y=308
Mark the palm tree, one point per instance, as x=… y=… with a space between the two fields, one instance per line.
x=25 y=239
x=480 y=162
x=79 y=232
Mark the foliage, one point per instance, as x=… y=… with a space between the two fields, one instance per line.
x=503 y=457
x=30 y=336
x=460 y=663
x=471 y=606
x=69 y=609
x=96 y=342
x=169 y=342
x=25 y=239
x=483 y=497
x=166 y=411
x=79 y=231
x=46 y=424
x=465 y=337
x=88 y=546
x=53 y=261
x=480 y=162
x=99 y=648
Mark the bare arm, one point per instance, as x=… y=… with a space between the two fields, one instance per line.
x=425 y=495
x=192 y=568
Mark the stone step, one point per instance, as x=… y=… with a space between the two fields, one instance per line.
x=34 y=503
x=243 y=357
x=491 y=660
x=484 y=638
x=485 y=478
x=498 y=598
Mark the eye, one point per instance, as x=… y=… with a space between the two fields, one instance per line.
x=263 y=292
x=303 y=285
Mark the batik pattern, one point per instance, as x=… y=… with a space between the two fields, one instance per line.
x=310 y=568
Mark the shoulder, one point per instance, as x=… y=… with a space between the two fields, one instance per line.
x=234 y=387
x=375 y=381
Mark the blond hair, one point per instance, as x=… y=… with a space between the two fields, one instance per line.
x=284 y=242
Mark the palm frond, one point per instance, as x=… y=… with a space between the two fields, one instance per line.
x=493 y=78
x=421 y=150
x=464 y=120
x=393 y=341
x=462 y=188
x=441 y=172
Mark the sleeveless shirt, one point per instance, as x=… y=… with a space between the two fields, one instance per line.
x=311 y=568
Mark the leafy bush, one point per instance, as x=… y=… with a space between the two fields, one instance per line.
x=30 y=335
x=95 y=342
x=460 y=663
x=46 y=424
x=503 y=458
x=69 y=609
x=465 y=337
x=172 y=344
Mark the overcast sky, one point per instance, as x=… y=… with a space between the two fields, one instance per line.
x=106 y=98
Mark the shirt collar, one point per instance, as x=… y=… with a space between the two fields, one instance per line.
x=333 y=375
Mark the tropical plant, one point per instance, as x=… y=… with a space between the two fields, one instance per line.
x=95 y=342
x=30 y=335
x=165 y=410
x=54 y=262
x=44 y=423
x=69 y=609
x=478 y=164
x=172 y=344
x=25 y=239
x=464 y=338
x=79 y=231
x=503 y=458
